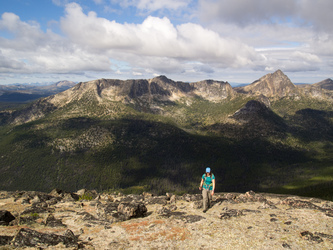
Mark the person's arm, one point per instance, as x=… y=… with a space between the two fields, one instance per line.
x=201 y=183
x=213 y=186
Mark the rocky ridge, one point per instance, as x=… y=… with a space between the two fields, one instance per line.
x=276 y=84
x=90 y=220
x=150 y=95
x=325 y=84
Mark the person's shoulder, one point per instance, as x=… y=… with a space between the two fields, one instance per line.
x=213 y=176
x=203 y=176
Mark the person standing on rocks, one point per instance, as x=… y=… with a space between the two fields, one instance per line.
x=207 y=185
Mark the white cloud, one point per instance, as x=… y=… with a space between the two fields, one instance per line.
x=237 y=36
x=316 y=14
x=31 y=50
x=293 y=35
x=8 y=64
x=244 y=12
x=305 y=57
x=155 y=37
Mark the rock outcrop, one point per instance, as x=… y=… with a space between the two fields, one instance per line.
x=276 y=84
x=116 y=221
x=325 y=84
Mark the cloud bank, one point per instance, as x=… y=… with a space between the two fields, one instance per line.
x=221 y=38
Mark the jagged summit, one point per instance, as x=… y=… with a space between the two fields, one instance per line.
x=325 y=84
x=159 y=88
x=275 y=84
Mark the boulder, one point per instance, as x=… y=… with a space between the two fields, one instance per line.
x=294 y=203
x=311 y=237
x=164 y=211
x=109 y=212
x=192 y=197
x=31 y=238
x=132 y=210
x=70 y=197
x=229 y=196
x=5 y=240
x=173 y=199
x=161 y=200
x=41 y=208
x=250 y=196
x=51 y=221
x=5 y=217
x=56 y=192
x=267 y=205
x=228 y=213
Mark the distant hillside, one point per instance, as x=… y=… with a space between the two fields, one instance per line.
x=24 y=93
x=326 y=84
x=158 y=134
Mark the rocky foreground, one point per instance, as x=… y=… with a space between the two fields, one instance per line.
x=90 y=220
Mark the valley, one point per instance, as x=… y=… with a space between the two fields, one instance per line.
x=158 y=135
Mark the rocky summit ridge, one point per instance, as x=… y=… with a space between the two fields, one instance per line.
x=150 y=95
x=270 y=85
x=91 y=220
x=149 y=90
x=325 y=84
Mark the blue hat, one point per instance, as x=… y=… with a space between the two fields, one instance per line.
x=207 y=170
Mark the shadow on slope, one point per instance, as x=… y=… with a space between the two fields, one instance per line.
x=140 y=153
x=312 y=125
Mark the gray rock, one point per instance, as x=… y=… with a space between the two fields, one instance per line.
x=5 y=240
x=132 y=210
x=228 y=213
x=162 y=200
x=173 y=199
x=51 y=221
x=5 y=217
x=197 y=204
x=31 y=238
x=311 y=237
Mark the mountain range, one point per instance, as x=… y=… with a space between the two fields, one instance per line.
x=25 y=93
x=159 y=134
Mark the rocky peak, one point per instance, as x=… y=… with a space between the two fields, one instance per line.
x=275 y=84
x=159 y=88
x=65 y=83
x=251 y=110
x=325 y=84
x=213 y=90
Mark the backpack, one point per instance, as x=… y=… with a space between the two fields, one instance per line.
x=210 y=185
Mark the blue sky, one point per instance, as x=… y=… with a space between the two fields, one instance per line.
x=236 y=41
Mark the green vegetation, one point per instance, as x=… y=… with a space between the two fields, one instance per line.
x=34 y=215
x=87 y=197
x=113 y=146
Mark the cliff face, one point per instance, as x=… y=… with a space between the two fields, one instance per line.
x=159 y=89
